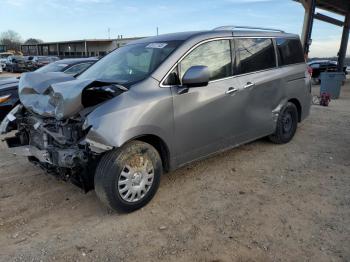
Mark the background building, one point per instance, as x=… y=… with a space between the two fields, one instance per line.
x=76 y=48
x=3 y=48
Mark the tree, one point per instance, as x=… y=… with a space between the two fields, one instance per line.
x=11 y=39
x=33 y=41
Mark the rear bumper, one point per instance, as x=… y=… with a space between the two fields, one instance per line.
x=306 y=107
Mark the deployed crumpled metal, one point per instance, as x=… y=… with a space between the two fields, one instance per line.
x=52 y=94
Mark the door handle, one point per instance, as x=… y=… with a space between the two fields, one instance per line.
x=231 y=90
x=248 y=85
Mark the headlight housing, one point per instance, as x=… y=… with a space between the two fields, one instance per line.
x=4 y=98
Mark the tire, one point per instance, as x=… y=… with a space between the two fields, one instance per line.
x=286 y=126
x=128 y=169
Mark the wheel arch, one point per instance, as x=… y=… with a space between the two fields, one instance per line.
x=298 y=106
x=159 y=144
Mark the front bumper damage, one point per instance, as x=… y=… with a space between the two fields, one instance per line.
x=66 y=158
x=62 y=146
x=68 y=163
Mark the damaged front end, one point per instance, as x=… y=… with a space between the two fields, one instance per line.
x=48 y=127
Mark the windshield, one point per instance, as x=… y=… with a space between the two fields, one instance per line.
x=130 y=63
x=53 y=67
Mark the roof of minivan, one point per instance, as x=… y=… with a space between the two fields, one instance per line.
x=182 y=36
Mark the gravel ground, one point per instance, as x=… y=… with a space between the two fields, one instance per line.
x=259 y=202
x=4 y=75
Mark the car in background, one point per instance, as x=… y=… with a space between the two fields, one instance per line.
x=9 y=86
x=2 y=65
x=320 y=66
x=72 y=66
x=15 y=64
x=3 y=58
x=35 y=62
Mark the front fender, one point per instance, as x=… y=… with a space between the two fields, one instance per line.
x=131 y=115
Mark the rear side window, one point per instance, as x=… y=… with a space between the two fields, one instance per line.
x=255 y=54
x=290 y=51
x=216 y=55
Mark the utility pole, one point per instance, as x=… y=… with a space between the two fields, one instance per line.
x=109 y=33
x=157 y=30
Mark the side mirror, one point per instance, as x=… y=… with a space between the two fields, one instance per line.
x=196 y=76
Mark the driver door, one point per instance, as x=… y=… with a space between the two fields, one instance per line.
x=208 y=118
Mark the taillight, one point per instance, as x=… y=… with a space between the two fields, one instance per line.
x=309 y=70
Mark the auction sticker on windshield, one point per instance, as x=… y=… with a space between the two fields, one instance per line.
x=156 y=45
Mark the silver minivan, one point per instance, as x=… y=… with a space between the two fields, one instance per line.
x=157 y=104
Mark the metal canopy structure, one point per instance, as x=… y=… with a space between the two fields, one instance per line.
x=340 y=7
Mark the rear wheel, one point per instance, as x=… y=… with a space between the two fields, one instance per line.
x=126 y=179
x=286 y=126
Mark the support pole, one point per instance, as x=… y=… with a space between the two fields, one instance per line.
x=85 y=48
x=309 y=6
x=344 y=43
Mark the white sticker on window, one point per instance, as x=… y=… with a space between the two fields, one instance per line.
x=156 y=45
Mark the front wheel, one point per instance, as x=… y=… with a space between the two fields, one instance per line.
x=127 y=178
x=286 y=126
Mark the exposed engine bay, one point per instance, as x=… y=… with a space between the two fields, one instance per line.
x=62 y=96
x=49 y=124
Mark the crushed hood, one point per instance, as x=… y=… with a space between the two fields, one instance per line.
x=55 y=94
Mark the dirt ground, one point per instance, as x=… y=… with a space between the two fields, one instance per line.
x=259 y=202
x=7 y=74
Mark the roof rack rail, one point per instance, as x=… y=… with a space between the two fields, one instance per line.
x=233 y=27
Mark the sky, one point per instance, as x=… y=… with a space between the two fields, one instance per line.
x=60 y=20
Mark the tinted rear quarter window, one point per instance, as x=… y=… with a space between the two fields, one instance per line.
x=255 y=54
x=290 y=51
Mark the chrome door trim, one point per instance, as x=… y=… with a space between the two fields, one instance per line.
x=231 y=90
x=248 y=85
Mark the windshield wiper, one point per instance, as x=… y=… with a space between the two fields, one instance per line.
x=113 y=83
x=123 y=88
